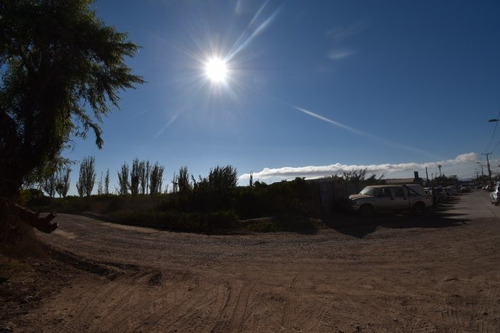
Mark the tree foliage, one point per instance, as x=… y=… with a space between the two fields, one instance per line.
x=222 y=178
x=58 y=182
x=63 y=182
x=156 y=179
x=39 y=175
x=145 y=168
x=106 y=183
x=135 y=176
x=100 y=185
x=123 y=183
x=61 y=66
x=144 y=177
x=49 y=185
x=183 y=185
x=215 y=191
x=139 y=177
x=86 y=179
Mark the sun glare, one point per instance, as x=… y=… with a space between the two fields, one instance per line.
x=216 y=70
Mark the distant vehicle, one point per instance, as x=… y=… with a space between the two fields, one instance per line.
x=451 y=190
x=438 y=194
x=464 y=189
x=494 y=195
x=390 y=198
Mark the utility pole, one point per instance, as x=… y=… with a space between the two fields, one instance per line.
x=482 y=172
x=488 y=165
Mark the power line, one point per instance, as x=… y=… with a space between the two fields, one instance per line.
x=496 y=146
x=494 y=131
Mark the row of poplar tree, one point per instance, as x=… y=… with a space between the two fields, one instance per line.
x=142 y=177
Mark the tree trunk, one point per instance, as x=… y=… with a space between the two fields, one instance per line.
x=41 y=223
x=13 y=169
x=10 y=212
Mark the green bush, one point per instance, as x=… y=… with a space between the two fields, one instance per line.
x=286 y=223
x=33 y=197
x=266 y=225
x=179 y=221
x=298 y=223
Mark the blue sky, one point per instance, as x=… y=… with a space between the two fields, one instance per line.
x=312 y=88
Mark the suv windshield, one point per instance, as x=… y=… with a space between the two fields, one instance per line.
x=368 y=191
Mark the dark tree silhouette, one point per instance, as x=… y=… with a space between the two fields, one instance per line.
x=60 y=67
x=123 y=182
x=156 y=179
x=62 y=182
x=86 y=179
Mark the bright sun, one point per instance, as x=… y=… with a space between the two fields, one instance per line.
x=216 y=70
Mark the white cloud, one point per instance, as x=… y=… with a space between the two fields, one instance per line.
x=342 y=33
x=463 y=166
x=465 y=158
x=340 y=54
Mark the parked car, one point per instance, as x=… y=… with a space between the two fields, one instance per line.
x=464 y=189
x=438 y=194
x=390 y=198
x=494 y=195
x=451 y=190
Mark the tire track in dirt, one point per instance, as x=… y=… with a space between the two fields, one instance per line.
x=456 y=315
x=465 y=314
x=180 y=308
x=268 y=309
x=417 y=324
x=85 y=305
x=487 y=314
x=309 y=311
x=102 y=290
x=232 y=317
x=302 y=306
x=198 y=314
x=290 y=306
x=159 y=291
x=127 y=308
x=125 y=299
x=474 y=311
x=242 y=304
x=223 y=299
x=120 y=300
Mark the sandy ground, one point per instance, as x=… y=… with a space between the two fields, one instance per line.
x=437 y=273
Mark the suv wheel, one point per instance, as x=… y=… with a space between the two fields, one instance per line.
x=366 y=210
x=418 y=209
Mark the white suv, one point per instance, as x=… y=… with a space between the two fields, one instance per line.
x=390 y=198
x=494 y=195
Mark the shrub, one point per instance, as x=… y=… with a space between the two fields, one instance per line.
x=286 y=223
x=266 y=225
x=179 y=221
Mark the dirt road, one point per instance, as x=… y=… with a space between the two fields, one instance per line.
x=438 y=273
